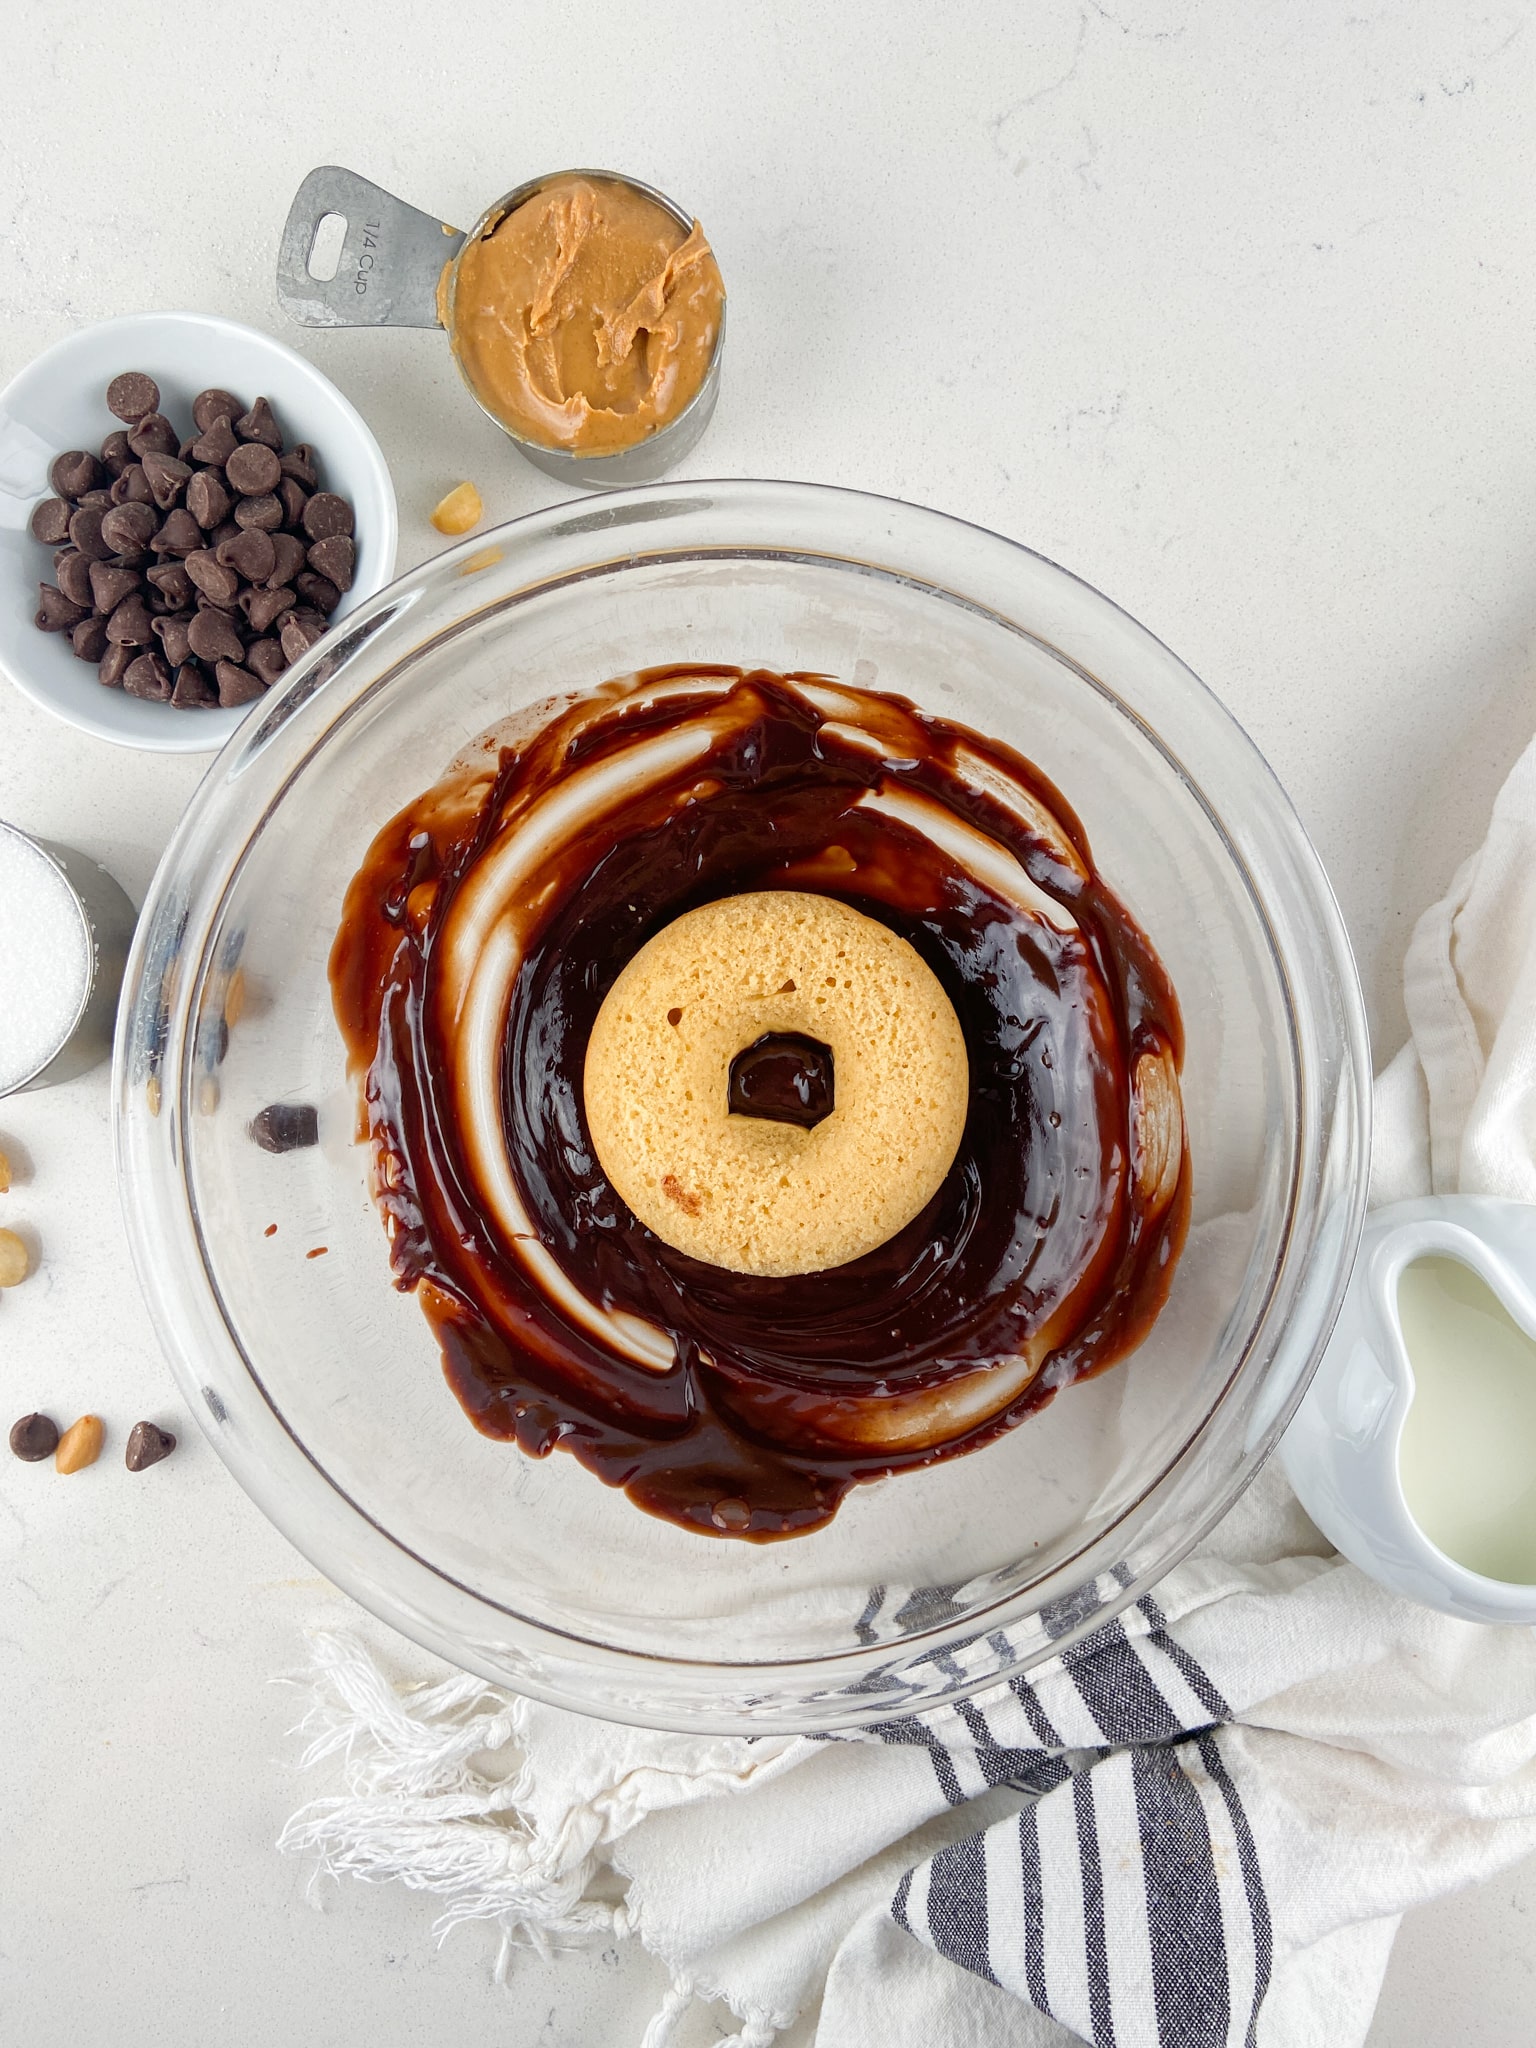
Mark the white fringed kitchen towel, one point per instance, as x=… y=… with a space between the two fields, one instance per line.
x=1197 y=1828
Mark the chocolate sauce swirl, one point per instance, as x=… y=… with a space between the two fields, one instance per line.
x=478 y=941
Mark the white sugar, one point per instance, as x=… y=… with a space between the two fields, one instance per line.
x=45 y=959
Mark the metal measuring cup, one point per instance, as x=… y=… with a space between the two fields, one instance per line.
x=101 y=915
x=391 y=272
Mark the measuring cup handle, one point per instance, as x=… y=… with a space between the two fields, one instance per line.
x=392 y=256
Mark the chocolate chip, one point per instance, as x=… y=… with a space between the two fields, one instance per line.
x=262 y=607
x=89 y=639
x=212 y=578
x=115 y=453
x=129 y=529
x=215 y=444
x=131 y=487
x=72 y=573
x=179 y=535
x=34 y=1437
x=334 y=557
x=211 y=636
x=250 y=554
x=259 y=426
x=193 y=689
x=130 y=622
x=50 y=521
x=147 y=1445
x=74 y=472
x=85 y=532
x=286 y=1126
x=252 y=469
x=207 y=499
x=148 y=677
x=109 y=584
x=184 y=452
x=167 y=477
x=214 y=404
x=326 y=514
x=293 y=498
x=290 y=554
x=55 y=613
x=265 y=512
x=320 y=591
x=154 y=434
x=173 y=583
x=266 y=659
x=237 y=685
x=114 y=664
x=174 y=634
x=300 y=631
x=225 y=530
x=131 y=395
x=101 y=497
x=299 y=463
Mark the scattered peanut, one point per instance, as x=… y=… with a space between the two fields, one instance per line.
x=459 y=511
x=80 y=1445
x=5 y=1175
x=14 y=1262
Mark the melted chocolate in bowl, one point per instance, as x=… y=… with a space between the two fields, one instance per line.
x=479 y=939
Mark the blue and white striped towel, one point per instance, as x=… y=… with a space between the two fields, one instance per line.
x=1196 y=1828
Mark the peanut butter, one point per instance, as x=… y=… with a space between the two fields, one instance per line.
x=586 y=319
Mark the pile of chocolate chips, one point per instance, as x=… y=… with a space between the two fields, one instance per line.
x=192 y=572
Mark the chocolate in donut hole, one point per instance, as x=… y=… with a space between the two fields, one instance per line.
x=478 y=941
x=786 y=1077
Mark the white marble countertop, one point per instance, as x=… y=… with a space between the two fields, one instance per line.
x=1231 y=311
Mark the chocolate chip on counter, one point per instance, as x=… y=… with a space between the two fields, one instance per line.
x=74 y=472
x=237 y=685
x=148 y=677
x=114 y=665
x=109 y=584
x=293 y=497
x=300 y=631
x=211 y=636
x=128 y=529
x=153 y=434
x=334 y=557
x=214 y=404
x=55 y=613
x=252 y=470
x=193 y=690
x=319 y=591
x=131 y=487
x=215 y=444
x=326 y=514
x=259 y=426
x=299 y=463
x=265 y=658
x=286 y=1126
x=250 y=554
x=263 y=607
x=173 y=583
x=180 y=534
x=290 y=554
x=89 y=639
x=131 y=395
x=174 y=635
x=34 y=1437
x=129 y=624
x=167 y=478
x=265 y=512
x=207 y=499
x=85 y=532
x=115 y=453
x=147 y=1445
x=216 y=582
x=72 y=573
x=50 y=521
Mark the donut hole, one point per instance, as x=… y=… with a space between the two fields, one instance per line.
x=786 y=1077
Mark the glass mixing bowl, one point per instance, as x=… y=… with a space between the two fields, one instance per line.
x=321 y=1386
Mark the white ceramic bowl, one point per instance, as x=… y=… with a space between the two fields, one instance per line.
x=59 y=402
